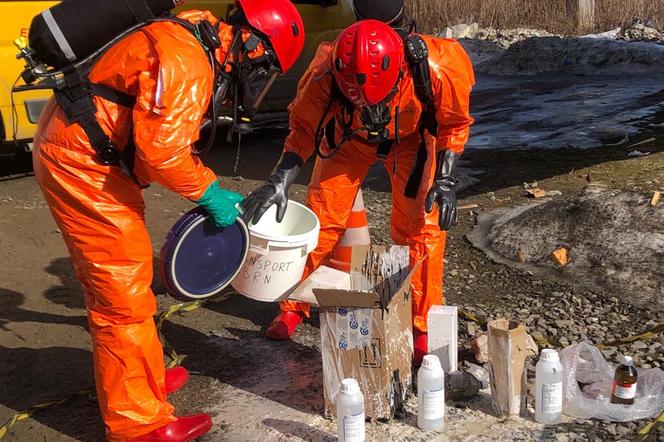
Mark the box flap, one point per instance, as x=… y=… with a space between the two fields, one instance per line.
x=346 y=298
x=322 y=278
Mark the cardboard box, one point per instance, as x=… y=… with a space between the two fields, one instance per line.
x=443 y=326
x=366 y=332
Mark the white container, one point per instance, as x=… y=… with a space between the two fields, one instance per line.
x=277 y=253
x=430 y=394
x=548 y=387
x=442 y=322
x=350 y=412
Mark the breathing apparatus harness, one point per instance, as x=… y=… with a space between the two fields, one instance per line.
x=251 y=77
x=75 y=92
x=375 y=118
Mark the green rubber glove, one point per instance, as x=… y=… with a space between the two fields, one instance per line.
x=220 y=204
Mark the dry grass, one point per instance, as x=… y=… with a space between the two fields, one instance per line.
x=613 y=13
x=551 y=15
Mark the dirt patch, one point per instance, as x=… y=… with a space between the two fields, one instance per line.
x=614 y=238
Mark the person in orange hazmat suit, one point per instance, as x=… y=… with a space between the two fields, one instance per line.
x=100 y=209
x=357 y=102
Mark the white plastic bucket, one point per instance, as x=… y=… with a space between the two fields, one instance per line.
x=277 y=253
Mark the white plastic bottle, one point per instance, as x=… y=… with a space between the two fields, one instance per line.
x=430 y=394
x=548 y=387
x=350 y=412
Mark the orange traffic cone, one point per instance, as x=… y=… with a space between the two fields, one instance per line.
x=357 y=233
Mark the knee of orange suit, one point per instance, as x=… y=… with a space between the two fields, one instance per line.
x=427 y=247
x=295 y=306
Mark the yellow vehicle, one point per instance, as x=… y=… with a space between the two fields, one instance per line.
x=19 y=112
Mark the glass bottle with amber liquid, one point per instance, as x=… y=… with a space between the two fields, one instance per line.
x=624 y=383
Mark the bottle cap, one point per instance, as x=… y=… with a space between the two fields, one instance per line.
x=627 y=360
x=549 y=354
x=350 y=386
x=431 y=362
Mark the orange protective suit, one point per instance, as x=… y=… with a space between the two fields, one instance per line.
x=335 y=181
x=101 y=212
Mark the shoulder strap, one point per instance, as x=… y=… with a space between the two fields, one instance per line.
x=417 y=55
x=75 y=99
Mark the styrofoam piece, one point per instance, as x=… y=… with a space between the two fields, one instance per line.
x=443 y=335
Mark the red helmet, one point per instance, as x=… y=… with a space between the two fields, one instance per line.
x=367 y=60
x=280 y=22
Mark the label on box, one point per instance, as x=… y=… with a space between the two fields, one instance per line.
x=353 y=327
x=370 y=355
x=552 y=397
x=433 y=404
x=624 y=391
x=354 y=428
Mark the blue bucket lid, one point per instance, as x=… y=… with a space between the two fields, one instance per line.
x=199 y=259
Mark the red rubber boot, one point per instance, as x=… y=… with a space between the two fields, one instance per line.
x=175 y=379
x=184 y=429
x=284 y=325
x=421 y=346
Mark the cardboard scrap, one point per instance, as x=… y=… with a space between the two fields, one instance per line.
x=560 y=256
x=521 y=256
x=655 y=198
x=536 y=193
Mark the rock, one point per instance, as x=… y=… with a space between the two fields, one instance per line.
x=638 y=31
x=480 y=348
x=564 y=341
x=562 y=323
x=480 y=373
x=460 y=386
x=461 y=31
x=639 y=345
x=624 y=431
x=447 y=33
x=608 y=352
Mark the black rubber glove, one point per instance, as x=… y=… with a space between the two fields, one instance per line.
x=442 y=191
x=275 y=191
